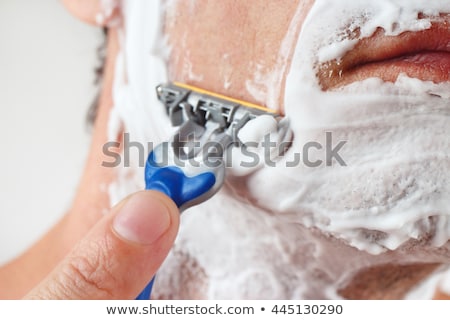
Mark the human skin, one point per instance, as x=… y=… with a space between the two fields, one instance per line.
x=265 y=24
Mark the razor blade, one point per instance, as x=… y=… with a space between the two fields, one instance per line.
x=217 y=116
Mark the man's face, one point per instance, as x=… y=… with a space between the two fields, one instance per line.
x=376 y=76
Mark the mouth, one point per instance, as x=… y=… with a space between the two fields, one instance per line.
x=424 y=55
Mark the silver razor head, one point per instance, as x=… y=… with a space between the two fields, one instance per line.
x=213 y=116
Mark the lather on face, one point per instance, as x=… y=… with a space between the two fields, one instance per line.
x=386 y=81
x=373 y=74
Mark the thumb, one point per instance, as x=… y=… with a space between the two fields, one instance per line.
x=120 y=255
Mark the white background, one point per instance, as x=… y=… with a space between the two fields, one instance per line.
x=47 y=61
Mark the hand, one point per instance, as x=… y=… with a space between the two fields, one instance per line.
x=119 y=255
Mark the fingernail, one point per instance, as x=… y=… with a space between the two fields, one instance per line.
x=143 y=219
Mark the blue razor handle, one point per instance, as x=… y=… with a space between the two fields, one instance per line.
x=181 y=188
x=185 y=180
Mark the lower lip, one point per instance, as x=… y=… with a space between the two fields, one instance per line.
x=427 y=66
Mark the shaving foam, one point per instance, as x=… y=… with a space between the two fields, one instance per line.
x=297 y=232
x=395 y=185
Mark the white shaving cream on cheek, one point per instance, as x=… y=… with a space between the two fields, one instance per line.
x=396 y=185
x=140 y=67
x=227 y=247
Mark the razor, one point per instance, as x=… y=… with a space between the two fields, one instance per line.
x=190 y=167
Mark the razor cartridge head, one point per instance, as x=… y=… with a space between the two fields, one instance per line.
x=185 y=103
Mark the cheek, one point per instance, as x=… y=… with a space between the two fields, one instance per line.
x=238 y=48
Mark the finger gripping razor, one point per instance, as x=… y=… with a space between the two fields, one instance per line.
x=190 y=167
